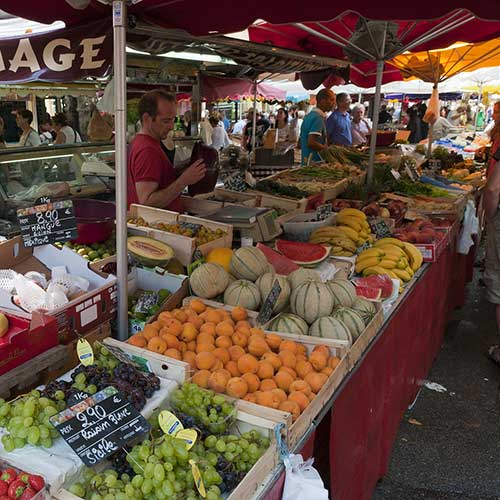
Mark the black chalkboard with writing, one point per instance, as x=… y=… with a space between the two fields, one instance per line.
x=380 y=228
x=267 y=307
x=98 y=426
x=46 y=223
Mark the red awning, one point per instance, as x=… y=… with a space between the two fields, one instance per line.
x=202 y=18
x=216 y=88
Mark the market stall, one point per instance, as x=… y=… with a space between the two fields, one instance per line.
x=248 y=319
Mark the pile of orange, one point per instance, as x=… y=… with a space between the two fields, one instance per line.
x=228 y=355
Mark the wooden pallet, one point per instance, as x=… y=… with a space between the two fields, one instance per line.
x=30 y=374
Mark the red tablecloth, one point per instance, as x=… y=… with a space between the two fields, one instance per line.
x=367 y=413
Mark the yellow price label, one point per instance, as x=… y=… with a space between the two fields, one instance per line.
x=169 y=423
x=189 y=436
x=197 y=479
x=85 y=352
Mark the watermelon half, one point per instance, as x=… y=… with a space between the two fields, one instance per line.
x=380 y=282
x=282 y=265
x=303 y=254
x=369 y=293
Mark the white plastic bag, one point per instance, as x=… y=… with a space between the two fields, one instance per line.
x=302 y=480
x=470 y=226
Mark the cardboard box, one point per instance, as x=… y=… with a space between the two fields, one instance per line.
x=183 y=246
x=80 y=315
x=26 y=339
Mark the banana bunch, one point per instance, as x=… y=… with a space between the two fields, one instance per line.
x=352 y=230
x=398 y=259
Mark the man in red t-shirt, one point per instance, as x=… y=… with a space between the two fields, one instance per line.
x=151 y=176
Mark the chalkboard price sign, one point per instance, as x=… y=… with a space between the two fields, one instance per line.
x=46 y=223
x=100 y=425
x=323 y=211
x=380 y=228
x=266 y=310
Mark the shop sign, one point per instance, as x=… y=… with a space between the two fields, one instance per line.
x=63 y=55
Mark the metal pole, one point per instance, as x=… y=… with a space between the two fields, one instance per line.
x=254 y=116
x=120 y=73
x=376 y=110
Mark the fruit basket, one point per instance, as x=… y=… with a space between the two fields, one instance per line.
x=249 y=425
x=22 y=483
x=159 y=224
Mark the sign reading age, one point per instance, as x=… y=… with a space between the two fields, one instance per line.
x=100 y=425
x=48 y=222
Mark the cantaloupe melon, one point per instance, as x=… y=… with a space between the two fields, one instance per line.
x=209 y=280
x=330 y=328
x=248 y=263
x=343 y=292
x=365 y=308
x=243 y=293
x=265 y=284
x=351 y=319
x=289 y=323
x=311 y=300
x=302 y=275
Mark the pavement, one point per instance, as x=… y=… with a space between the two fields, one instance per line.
x=448 y=444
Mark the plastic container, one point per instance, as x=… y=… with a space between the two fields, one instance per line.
x=302 y=225
x=95 y=220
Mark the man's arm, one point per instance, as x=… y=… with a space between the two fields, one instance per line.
x=491 y=196
x=314 y=144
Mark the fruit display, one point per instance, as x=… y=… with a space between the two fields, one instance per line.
x=393 y=257
x=149 y=251
x=228 y=355
x=25 y=419
x=200 y=233
x=209 y=280
x=311 y=300
x=373 y=288
x=19 y=485
x=265 y=284
x=303 y=254
x=93 y=252
x=419 y=231
x=143 y=304
x=243 y=293
x=281 y=264
x=301 y=275
x=221 y=256
x=329 y=327
x=351 y=231
x=248 y=263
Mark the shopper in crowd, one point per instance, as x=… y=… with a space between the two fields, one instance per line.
x=206 y=130
x=47 y=133
x=457 y=116
x=239 y=126
x=384 y=116
x=2 y=134
x=220 y=138
x=491 y=204
x=65 y=133
x=424 y=126
x=283 y=130
x=225 y=121
x=338 y=125
x=313 y=134
x=151 y=176
x=414 y=125
x=29 y=136
x=444 y=111
x=441 y=128
x=360 y=128
x=262 y=124
x=480 y=118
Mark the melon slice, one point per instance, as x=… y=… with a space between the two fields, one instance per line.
x=148 y=251
x=281 y=264
x=382 y=282
x=369 y=293
x=303 y=254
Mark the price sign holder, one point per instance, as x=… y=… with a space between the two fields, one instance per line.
x=100 y=425
x=323 y=211
x=47 y=222
x=434 y=167
x=380 y=228
x=266 y=310
x=412 y=173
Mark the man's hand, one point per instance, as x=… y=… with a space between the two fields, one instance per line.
x=194 y=173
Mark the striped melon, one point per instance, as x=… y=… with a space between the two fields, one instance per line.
x=266 y=282
x=209 y=280
x=329 y=327
x=243 y=293
x=343 y=292
x=289 y=323
x=311 y=301
x=248 y=263
x=302 y=275
x=365 y=309
x=351 y=319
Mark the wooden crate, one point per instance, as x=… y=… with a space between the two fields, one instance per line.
x=29 y=375
x=183 y=246
x=230 y=197
x=248 y=417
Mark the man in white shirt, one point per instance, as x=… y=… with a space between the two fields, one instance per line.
x=360 y=128
x=220 y=138
x=239 y=126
